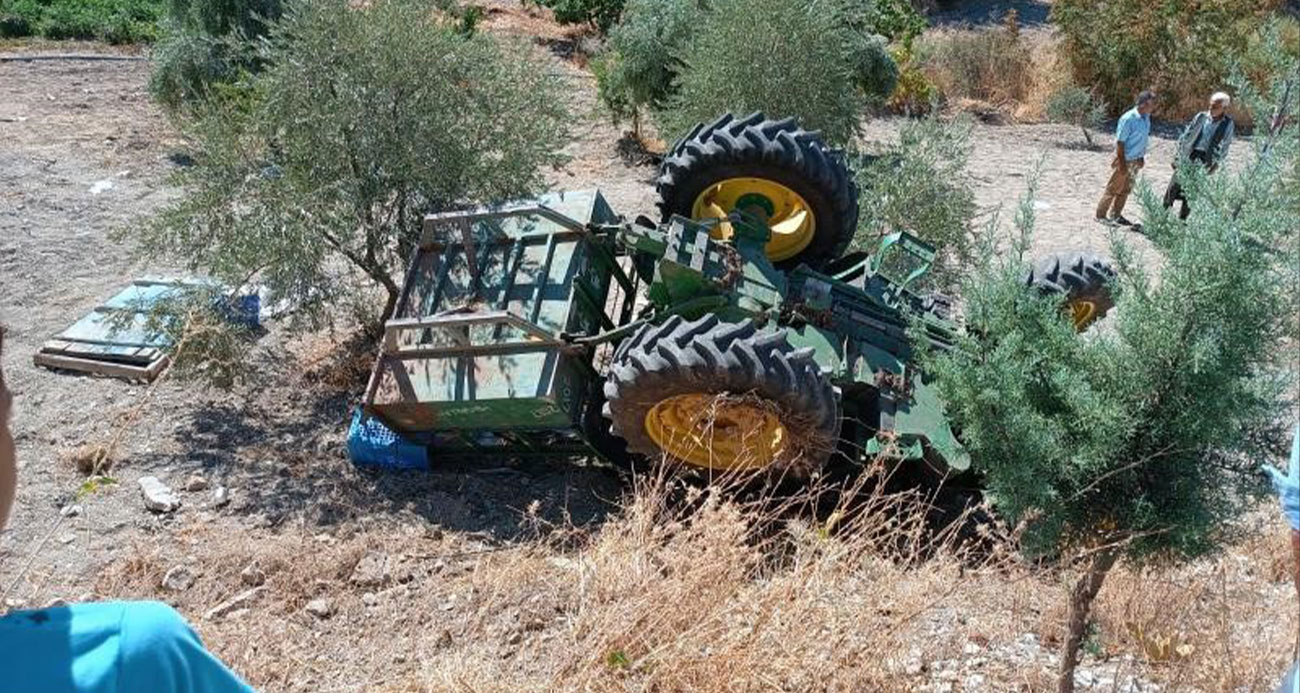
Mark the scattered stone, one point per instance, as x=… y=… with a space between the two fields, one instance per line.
x=369 y=599
x=973 y=682
x=157 y=497
x=178 y=579
x=320 y=608
x=399 y=659
x=70 y=510
x=444 y=640
x=195 y=483
x=220 y=496
x=252 y=576
x=239 y=601
x=56 y=603
x=67 y=538
x=373 y=570
x=100 y=186
x=15 y=603
x=515 y=638
x=970 y=648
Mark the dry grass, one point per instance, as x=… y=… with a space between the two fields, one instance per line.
x=994 y=70
x=689 y=589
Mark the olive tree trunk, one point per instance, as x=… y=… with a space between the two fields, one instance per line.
x=1081 y=597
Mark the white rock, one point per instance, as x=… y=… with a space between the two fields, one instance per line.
x=252 y=575
x=178 y=579
x=56 y=603
x=220 y=496
x=100 y=186
x=239 y=601
x=373 y=570
x=70 y=510
x=319 y=608
x=67 y=538
x=157 y=497
x=369 y=599
x=973 y=682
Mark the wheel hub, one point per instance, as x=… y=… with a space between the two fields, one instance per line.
x=716 y=431
x=1082 y=312
x=788 y=214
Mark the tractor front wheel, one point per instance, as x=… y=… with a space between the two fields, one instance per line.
x=722 y=396
x=1081 y=278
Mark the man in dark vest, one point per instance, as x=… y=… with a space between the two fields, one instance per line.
x=1205 y=143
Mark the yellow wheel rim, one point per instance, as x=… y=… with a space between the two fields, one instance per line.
x=716 y=432
x=786 y=212
x=1082 y=312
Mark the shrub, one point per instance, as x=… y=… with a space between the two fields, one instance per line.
x=113 y=21
x=1141 y=441
x=1180 y=48
x=782 y=57
x=601 y=14
x=640 y=67
x=991 y=64
x=205 y=44
x=914 y=93
x=314 y=177
x=1076 y=106
x=920 y=185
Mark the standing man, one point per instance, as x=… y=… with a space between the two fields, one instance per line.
x=1204 y=142
x=1131 y=135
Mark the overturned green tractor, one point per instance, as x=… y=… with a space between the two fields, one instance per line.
x=734 y=333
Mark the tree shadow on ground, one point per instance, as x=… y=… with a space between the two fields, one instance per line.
x=296 y=469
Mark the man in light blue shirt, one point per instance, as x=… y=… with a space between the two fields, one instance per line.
x=1131 y=134
x=113 y=647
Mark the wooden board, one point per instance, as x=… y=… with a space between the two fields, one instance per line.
x=93 y=345
x=109 y=368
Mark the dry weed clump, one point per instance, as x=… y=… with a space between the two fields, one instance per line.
x=994 y=70
x=692 y=588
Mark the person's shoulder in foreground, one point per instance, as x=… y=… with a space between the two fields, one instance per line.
x=108 y=647
x=111 y=647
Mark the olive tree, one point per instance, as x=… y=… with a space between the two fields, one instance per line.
x=1139 y=440
x=312 y=177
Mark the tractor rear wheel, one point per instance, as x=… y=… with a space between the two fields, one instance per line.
x=1082 y=278
x=773 y=168
x=722 y=396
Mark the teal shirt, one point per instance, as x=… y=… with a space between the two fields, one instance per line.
x=111 y=647
x=1132 y=131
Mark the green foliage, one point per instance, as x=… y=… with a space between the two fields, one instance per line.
x=824 y=49
x=313 y=176
x=639 y=69
x=1146 y=434
x=113 y=21
x=914 y=93
x=207 y=43
x=601 y=14
x=1180 y=47
x=920 y=185
x=874 y=70
x=783 y=57
x=1076 y=106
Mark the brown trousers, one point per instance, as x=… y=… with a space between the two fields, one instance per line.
x=1118 y=188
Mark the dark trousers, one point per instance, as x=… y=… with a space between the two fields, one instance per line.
x=1174 y=193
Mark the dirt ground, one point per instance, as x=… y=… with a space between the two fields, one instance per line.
x=66 y=126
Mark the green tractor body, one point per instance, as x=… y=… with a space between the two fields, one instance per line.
x=553 y=328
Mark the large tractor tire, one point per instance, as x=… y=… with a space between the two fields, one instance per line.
x=722 y=396
x=1082 y=278
x=773 y=168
